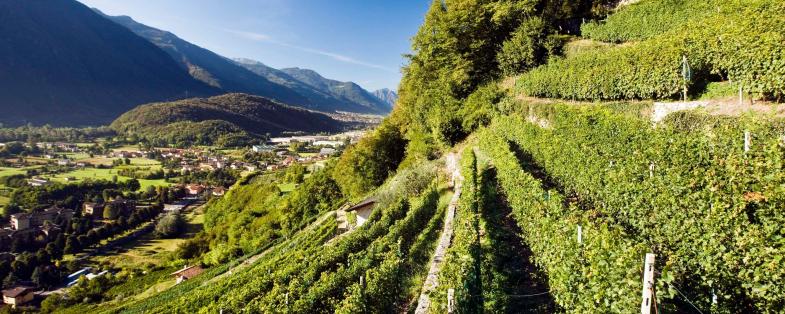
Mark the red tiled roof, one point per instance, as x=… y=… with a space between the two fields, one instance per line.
x=188 y=272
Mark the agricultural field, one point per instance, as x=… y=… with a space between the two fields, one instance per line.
x=102 y=174
x=150 y=249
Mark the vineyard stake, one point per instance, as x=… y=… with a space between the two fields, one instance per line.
x=580 y=234
x=648 y=283
x=451 y=300
x=747 y=141
x=651 y=170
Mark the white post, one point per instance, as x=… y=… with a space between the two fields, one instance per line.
x=287 y=298
x=747 y=141
x=580 y=234
x=362 y=282
x=651 y=170
x=648 y=284
x=451 y=300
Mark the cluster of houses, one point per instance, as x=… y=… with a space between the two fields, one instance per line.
x=41 y=222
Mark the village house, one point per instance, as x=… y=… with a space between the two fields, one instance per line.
x=194 y=189
x=219 y=191
x=20 y=221
x=38 y=182
x=63 y=162
x=92 y=209
x=23 y=221
x=187 y=273
x=326 y=151
x=363 y=210
x=288 y=161
x=328 y=143
x=18 y=296
x=262 y=148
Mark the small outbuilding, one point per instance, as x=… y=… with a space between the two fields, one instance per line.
x=187 y=273
x=363 y=210
x=18 y=296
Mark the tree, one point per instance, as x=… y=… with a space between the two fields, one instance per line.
x=525 y=49
x=170 y=225
x=365 y=165
x=110 y=212
x=72 y=245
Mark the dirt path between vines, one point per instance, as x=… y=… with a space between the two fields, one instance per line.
x=431 y=281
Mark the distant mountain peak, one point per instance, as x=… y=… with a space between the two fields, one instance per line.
x=387 y=95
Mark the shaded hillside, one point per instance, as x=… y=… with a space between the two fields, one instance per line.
x=63 y=64
x=213 y=69
x=342 y=90
x=227 y=120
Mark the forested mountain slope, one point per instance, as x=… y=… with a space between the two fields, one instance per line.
x=63 y=64
x=230 y=119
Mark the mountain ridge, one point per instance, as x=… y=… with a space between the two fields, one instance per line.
x=81 y=69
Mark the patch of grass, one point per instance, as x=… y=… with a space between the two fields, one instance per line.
x=287 y=187
x=103 y=174
x=7 y=171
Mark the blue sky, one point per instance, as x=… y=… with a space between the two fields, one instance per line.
x=348 y=40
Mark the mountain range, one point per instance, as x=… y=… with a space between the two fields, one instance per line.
x=81 y=67
x=387 y=95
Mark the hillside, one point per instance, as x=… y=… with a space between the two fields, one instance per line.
x=81 y=69
x=227 y=120
x=387 y=95
x=348 y=91
x=521 y=171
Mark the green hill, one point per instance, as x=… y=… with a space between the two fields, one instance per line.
x=231 y=119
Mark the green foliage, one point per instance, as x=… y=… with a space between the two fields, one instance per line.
x=647 y=19
x=525 y=49
x=170 y=225
x=742 y=41
x=599 y=275
x=480 y=107
x=295 y=173
x=708 y=208
x=110 y=212
x=367 y=164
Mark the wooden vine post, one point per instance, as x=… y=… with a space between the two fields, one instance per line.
x=580 y=234
x=747 y=141
x=648 y=284
x=451 y=301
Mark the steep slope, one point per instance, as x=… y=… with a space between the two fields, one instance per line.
x=387 y=95
x=63 y=64
x=342 y=90
x=230 y=119
x=211 y=68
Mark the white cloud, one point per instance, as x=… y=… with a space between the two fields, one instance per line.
x=335 y=56
x=250 y=35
